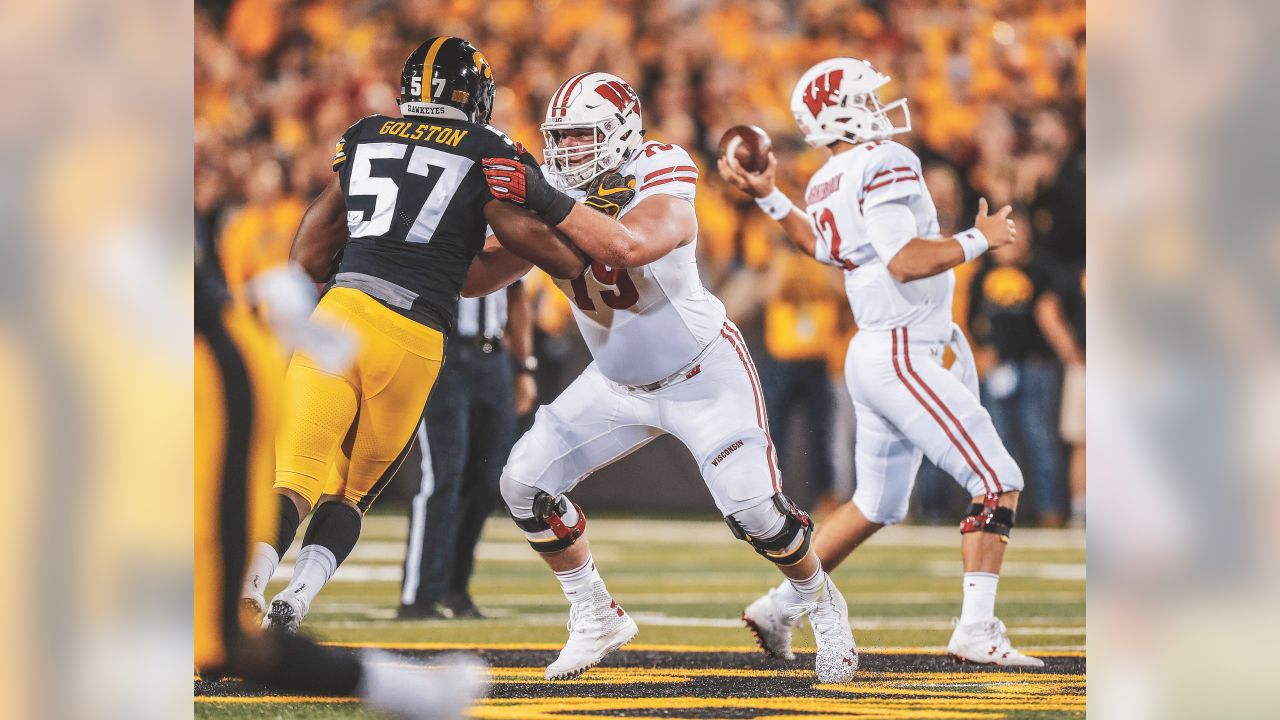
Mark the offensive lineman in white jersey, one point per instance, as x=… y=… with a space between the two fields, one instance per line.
x=667 y=360
x=868 y=211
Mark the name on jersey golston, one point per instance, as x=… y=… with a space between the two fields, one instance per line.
x=426 y=132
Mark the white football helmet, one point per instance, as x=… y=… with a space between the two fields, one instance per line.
x=602 y=103
x=836 y=100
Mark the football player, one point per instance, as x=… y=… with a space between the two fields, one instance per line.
x=407 y=208
x=666 y=360
x=238 y=365
x=868 y=212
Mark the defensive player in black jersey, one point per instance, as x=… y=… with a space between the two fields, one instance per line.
x=408 y=210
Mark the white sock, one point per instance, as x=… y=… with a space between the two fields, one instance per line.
x=809 y=589
x=316 y=564
x=979 y=597
x=262 y=565
x=787 y=597
x=576 y=583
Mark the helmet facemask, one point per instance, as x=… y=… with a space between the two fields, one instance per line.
x=578 y=164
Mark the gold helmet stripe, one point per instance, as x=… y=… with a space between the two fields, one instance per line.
x=428 y=66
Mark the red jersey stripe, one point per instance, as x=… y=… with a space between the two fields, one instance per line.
x=656 y=173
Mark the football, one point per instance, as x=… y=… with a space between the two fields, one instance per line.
x=749 y=144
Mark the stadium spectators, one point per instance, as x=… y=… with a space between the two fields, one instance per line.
x=996 y=90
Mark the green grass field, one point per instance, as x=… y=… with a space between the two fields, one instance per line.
x=685 y=583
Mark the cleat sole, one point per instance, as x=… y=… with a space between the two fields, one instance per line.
x=760 y=643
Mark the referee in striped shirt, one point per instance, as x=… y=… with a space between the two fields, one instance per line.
x=466 y=436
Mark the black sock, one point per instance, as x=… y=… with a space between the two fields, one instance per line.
x=288 y=526
x=335 y=526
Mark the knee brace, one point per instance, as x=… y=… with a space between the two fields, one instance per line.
x=556 y=523
x=777 y=529
x=987 y=516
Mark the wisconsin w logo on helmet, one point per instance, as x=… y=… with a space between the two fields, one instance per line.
x=822 y=92
x=619 y=94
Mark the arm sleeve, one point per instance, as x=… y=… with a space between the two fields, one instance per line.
x=890 y=226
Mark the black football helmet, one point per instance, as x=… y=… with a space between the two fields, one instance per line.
x=447 y=77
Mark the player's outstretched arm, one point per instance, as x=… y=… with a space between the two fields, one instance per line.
x=652 y=229
x=322 y=232
x=529 y=239
x=773 y=201
x=924 y=257
x=655 y=227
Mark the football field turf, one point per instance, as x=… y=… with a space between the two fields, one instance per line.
x=686 y=583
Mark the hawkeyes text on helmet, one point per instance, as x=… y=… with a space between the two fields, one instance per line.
x=447 y=77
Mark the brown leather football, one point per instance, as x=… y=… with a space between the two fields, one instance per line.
x=749 y=144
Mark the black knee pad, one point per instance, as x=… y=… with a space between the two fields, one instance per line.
x=556 y=523
x=789 y=545
x=988 y=516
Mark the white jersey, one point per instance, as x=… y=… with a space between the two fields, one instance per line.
x=838 y=196
x=644 y=324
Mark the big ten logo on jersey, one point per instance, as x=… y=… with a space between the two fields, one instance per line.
x=613 y=285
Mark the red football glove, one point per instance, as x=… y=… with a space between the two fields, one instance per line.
x=505 y=178
x=520 y=183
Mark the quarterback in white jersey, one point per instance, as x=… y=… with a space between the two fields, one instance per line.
x=667 y=360
x=868 y=212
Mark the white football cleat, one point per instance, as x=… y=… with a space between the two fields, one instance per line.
x=597 y=627
x=837 y=657
x=395 y=685
x=286 y=614
x=986 y=643
x=771 y=625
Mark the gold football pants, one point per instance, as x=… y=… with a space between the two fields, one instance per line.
x=346 y=434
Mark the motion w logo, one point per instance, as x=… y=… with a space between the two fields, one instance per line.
x=619 y=95
x=821 y=92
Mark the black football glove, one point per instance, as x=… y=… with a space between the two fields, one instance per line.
x=611 y=192
x=523 y=184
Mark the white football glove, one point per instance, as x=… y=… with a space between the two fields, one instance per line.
x=288 y=297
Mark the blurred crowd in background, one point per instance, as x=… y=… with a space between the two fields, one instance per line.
x=996 y=90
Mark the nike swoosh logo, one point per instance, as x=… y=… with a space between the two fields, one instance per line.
x=611 y=191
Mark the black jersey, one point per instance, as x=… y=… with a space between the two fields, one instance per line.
x=415 y=198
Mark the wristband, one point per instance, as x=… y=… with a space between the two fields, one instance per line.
x=776 y=204
x=548 y=202
x=973 y=242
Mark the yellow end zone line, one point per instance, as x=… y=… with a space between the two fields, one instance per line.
x=656 y=648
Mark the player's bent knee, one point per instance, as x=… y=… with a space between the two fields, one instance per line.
x=881 y=512
x=776 y=528
x=554 y=523
x=989 y=516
